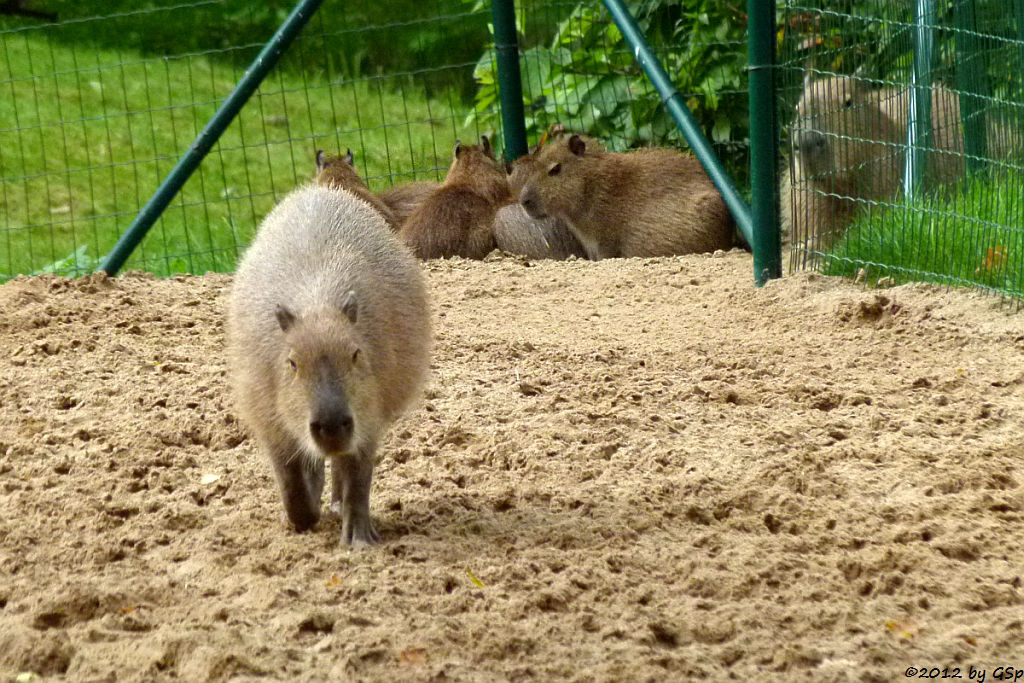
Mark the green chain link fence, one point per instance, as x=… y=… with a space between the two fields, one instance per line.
x=860 y=82
x=97 y=106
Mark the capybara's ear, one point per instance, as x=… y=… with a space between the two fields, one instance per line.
x=349 y=159
x=321 y=159
x=285 y=318
x=458 y=148
x=577 y=146
x=350 y=307
x=485 y=145
x=508 y=167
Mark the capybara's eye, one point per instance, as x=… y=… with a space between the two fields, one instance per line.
x=292 y=365
x=355 y=356
x=555 y=170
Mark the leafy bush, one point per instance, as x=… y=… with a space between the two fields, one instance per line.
x=587 y=79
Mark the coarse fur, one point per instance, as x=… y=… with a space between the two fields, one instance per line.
x=849 y=144
x=329 y=339
x=457 y=218
x=515 y=231
x=405 y=198
x=649 y=202
x=339 y=172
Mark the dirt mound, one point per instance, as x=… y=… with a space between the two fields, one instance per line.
x=622 y=470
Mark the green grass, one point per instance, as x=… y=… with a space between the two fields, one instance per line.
x=87 y=134
x=972 y=236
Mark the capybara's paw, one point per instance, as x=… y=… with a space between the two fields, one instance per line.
x=304 y=520
x=359 y=533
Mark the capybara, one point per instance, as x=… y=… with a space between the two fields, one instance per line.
x=649 y=202
x=339 y=172
x=457 y=218
x=515 y=231
x=849 y=143
x=329 y=339
x=405 y=198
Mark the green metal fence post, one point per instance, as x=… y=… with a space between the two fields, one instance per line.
x=677 y=108
x=188 y=163
x=510 y=84
x=919 y=128
x=764 y=140
x=972 y=83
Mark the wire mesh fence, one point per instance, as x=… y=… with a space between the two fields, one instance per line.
x=96 y=109
x=99 y=100
x=903 y=139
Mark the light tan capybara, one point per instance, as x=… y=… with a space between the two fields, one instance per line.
x=405 y=198
x=339 y=172
x=457 y=218
x=650 y=202
x=848 y=149
x=329 y=339
x=516 y=232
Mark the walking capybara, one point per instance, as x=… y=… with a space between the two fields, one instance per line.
x=457 y=218
x=405 y=198
x=849 y=143
x=339 y=172
x=650 y=202
x=329 y=340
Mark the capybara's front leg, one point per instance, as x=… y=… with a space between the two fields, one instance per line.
x=301 y=485
x=351 y=477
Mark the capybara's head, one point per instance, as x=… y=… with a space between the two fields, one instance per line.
x=474 y=166
x=522 y=168
x=556 y=185
x=337 y=171
x=837 y=119
x=325 y=386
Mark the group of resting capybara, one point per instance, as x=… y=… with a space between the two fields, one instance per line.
x=570 y=197
x=328 y=324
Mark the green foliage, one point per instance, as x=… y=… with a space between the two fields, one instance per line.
x=964 y=238
x=79 y=261
x=587 y=79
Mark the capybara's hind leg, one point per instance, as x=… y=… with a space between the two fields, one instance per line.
x=301 y=486
x=351 y=477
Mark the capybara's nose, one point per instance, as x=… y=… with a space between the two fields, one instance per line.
x=529 y=203
x=331 y=429
x=810 y=141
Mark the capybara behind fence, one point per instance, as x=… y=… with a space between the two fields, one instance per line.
x=902 y=144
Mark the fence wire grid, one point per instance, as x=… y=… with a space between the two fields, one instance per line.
x=99 y=100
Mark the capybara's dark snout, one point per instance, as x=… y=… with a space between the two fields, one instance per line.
x=331 y=429
x=810 y=143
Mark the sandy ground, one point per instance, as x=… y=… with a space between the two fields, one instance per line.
x=629 y=470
